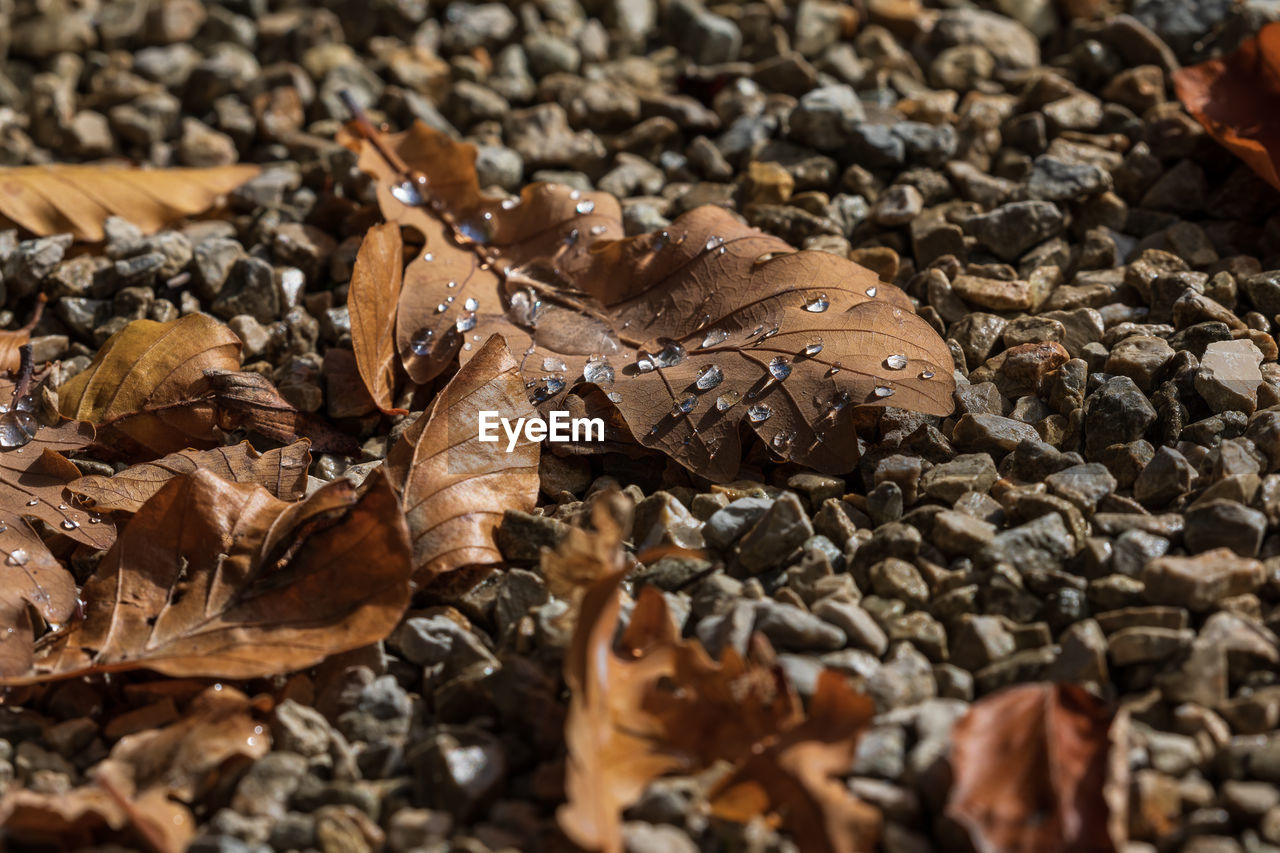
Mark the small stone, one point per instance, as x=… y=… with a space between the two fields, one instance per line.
x=458 y=769
x=824 y=118
x=998 y=294
x=898 y=205
x=1052 y=179
x=203 y=147
x=1011 y=44
x=1142 y=644
x=1083 y=485
x=1011 y=229
x=725 y=526
x=991 y=433
x=1116 y=413
x=1140 y=357
x=521 y=536
x=1200 y=582
x=973 y=472
x=783 y=528
x=1219 y=524
x=271 y=780
x=1229 y=376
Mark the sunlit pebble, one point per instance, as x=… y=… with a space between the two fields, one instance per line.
x=585 y=206
x=896 y=362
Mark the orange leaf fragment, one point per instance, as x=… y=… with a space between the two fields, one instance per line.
x=1237 y=99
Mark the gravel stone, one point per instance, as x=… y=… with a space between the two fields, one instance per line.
x=1200 y=582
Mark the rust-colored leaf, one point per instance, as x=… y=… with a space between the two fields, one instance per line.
x=658 y=704
x=691 y=331
x=282 y=472
x=221 y=579
x=159 y=388
x=1237 y=99
x=146 y=782
x=12 y=342
x=455 y=487
x=63 y=198
x=797 y=779
x=1033 y=772
x=371 y=299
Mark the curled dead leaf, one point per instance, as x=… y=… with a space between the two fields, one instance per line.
x=62 y=198
x=11 y=342
x=1236 y=97
x=455 y=487
x=371 y=299
x=281 y=471
x=658 y=704
x=691 y=332
x=221 y=579
x=1038 y=768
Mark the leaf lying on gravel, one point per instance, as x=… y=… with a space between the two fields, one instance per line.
x=1236 y=96
x=282 y=472
x=145 y=781
x=454 y=487
x=218 y=579
x=659 y=704
x=691 y=331
x=797 y=778
x=61 y=198
x=33 y=481
x=371 y=300
x=1039 y=767
x=159 y=388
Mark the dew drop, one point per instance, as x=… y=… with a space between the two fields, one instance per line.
x=467 y=347
x=835 y=368
x=62 y=506
x=597 y=230
x=421 y=343
x=715 y=336
x=33 y=502
x=661 y=243
x=709 y=377
x=551 y=386
x=883 y=391
x=896 y=362
x=70 y=525
x=671 y=354
x=779 y=368
x=466 y=323
x=575 y=194
x=714 y=242
x=599 y=371
x=727 y=399
x=644 y=362
x=441 y=308
x=571 y=237
x=685 y=406
x=476 y=232
x=783 y=440
x=817 y=304
x=428 y=257
x=871 y=291
x=93 y=519
x=551 y=363
x=406 y=193
x=511 y=203
x=449 y=299
x=585 y=206
x=759 y=412
x=614 y=396
x=813 y=347
x=773 y=329
x=838 y=402
x=926 y=374
x=17 y=428
x=471 y=304
x=451 y=285
x=17 y=557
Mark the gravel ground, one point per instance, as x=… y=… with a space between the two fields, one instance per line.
x=1102 y=508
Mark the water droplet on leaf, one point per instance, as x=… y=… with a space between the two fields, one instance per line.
x=552 y=363
x=813 y=347
x=883 y=391
x=585 y=206
x=466 y=322
x=817 y=304
x=709 y=377
x=871 y=291
x=421 y=343
x=896 y=362
x=715 y=336
x=727 y=399
x=685 y=406
x=671 y=354
x=17 y=557
x=599 y=371
x=406 y=193
x=779 y=368
x=759 y=412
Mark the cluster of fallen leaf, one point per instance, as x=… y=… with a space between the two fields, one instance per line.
x=209 y=560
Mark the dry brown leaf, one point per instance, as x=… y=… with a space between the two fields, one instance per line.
x=584 y=556
x=454 y=487
x=659 y=704
x=33 y=481
x=692 y=331
x=159 y=388
x=145 y=781
x=281 y=471
x=371 y=299
x=1033 y=772
x=221 y=579
x=12 y=342
x=797 y=778
x=1237 y=99
x=61 y=198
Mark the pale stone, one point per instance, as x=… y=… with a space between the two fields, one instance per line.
x=1229 y=376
